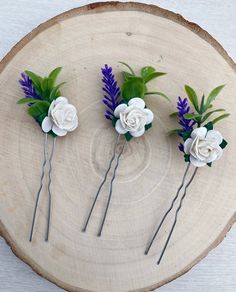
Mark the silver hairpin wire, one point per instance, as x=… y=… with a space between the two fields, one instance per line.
x=110 y=193
x=168 y=211
x=49 y=189
x=176 y=215
x=102 y=183
x=41 y=185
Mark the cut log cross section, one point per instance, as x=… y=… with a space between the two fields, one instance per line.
x=82 y=40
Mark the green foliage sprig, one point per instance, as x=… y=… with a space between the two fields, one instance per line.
x=201 y=117
x=202 y=108
x=47 y=91
x=136 y=86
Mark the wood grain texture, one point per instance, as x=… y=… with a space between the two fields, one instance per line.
x=116 y=232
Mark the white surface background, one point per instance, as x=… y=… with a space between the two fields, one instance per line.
x=217 y=272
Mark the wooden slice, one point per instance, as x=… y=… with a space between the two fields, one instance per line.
x=82 y=40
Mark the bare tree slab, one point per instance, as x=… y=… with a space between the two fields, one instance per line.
x=82 y=40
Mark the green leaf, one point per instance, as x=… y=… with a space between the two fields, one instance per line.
x=54 y=74
x=145 y=71
x=39 y=110
x=126 y=75
x=191 y=116
x=128 y=136
x=209 y=164
x=153 y=76
x=131 y=70
x=55 y=93
x=27 y=100
x=213 y=94
x=186 y=157
x=220 y=118
x=157 y=93
x=202 y=104
x=174 y=131
x=192 y=96
x=50 y=84
x=36 y=80
x=44 y=84
x=210 y=113
x=114 y=120
x=134 y=87
x=174 y=114
x=52 y=77
x=186 y=135
x=148 y=126
x=223 y=144
x=209 y=126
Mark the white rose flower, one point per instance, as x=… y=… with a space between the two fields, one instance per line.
x=62 y=117
x=133 y=117
x=203 y=146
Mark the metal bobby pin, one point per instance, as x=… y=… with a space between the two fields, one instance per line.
x=168 y=211
x=110 y=193
x=176 y=215
x=41 y=185
x=102 y=183
x=49 y=190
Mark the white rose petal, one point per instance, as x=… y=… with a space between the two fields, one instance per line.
x=215 y=136
x=51 y=107
x=149 y=116
x=62 y=100
x=187 y=145
x=119 y=128
x=212 y=157
x=62 y=117
x=219 y=153
x=58 y=131
x=120 y=108
x=137 y=133
x=199 y=132
x=47 y=125
x=75 y=124
x=197 y=162
x=133 y=118
x=203 y=147
x=137 y=102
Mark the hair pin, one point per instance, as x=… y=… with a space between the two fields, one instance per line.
x=202 y=145
x=127 y=112
x=56 y=117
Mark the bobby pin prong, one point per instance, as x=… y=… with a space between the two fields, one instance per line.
x=41 y=185
x=102 y=183
x=110 y=193
x=168 y=211
x=49 y=189
x=176 y=215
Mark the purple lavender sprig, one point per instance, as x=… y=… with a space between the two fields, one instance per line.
x=111 y=97
x=184 y=108
x=187 y=125
x=27 y=87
